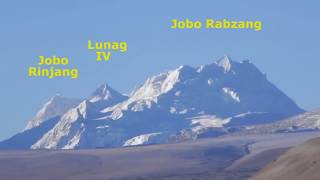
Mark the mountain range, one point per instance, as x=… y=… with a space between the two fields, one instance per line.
x=182 y=104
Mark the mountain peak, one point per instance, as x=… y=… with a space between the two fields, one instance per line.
x=183 y=68
x=55 y=98
x=104 y=92
x=225 y=62
x=164 y=82
x=56 y=106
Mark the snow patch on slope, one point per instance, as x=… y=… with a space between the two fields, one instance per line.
x=140 y=140
x=234 y=95
x=208 y=121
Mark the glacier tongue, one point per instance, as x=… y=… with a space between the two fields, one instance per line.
x=309 y=121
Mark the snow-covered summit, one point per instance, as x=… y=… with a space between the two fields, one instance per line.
x=162 y=83
x=105 y=93
x=56 y=106
x=225 y=63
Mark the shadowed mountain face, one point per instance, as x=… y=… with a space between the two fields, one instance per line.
x=24 y=139
x=181 y=104
x=299 y=163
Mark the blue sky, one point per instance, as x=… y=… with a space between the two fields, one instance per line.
x=286 y=49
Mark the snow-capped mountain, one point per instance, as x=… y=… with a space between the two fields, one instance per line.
x=56 y=106
x=79 y=126
x=46 y=118
x=224 y=88
x=179 y=104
